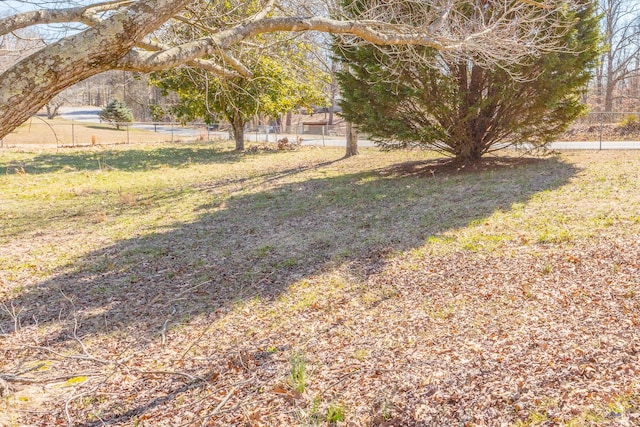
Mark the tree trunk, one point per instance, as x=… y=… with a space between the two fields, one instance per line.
x=288 y=121
x=599 y=83
x=52 y=110
x=238 y=131
x=31 y=83
x=469 y=149
x=608 y=93
x=352 y=140
x=334 y=90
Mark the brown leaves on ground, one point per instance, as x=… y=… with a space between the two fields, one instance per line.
x=398 y=331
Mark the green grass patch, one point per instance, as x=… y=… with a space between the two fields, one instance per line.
x=297 y=379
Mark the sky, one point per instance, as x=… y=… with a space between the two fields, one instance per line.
x=8 y=7
x=49 y=32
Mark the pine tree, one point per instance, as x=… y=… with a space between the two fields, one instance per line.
x=462 y=108
x=117 y=113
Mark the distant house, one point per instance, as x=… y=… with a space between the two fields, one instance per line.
x=316 y=127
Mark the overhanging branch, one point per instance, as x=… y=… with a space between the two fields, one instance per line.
x=83 y=14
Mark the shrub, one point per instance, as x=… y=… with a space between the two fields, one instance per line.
x=117 y=113
x=630 y=125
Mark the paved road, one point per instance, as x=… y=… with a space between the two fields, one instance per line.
x=90 y=114
x=596 y=145
x=559 y=145
x=81 y=114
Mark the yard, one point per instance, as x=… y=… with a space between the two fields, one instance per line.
x=169 y=285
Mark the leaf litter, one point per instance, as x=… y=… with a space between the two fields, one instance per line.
x=186 y=328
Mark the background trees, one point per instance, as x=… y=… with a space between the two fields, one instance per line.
x=267 y=78
x=619 y=67
x=462 y=107
x=272 y=89
x=122 y=35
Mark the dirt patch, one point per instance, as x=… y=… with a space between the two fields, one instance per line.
x=445 y=167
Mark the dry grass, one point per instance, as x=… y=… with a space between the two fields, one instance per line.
x=191 y=285
x=62 y=132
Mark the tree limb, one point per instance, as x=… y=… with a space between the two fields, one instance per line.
x=83 y=14
x=199 y=63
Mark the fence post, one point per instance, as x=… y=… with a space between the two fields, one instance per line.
x=127 y=133
x=73 y=133
x=171 y=131
x=323 y=136
x=601 y=127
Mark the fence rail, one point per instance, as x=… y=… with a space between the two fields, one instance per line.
x=78 y=133
x=81 y=133
x=597 y=128
x=605 y=128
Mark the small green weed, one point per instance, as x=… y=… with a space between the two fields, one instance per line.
x=360 y=354
x=534 y=419
x=335 y=413
x=297 y=373
x=287 y=263
x=263 y=251
x=552 y=236
x=434 y=240
x=315 y=417
x=442 y=313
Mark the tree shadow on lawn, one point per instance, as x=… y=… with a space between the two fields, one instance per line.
x=256 y=245
x=134 y=160
x=107 y=127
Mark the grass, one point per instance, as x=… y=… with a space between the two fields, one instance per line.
x=462 y=294
x=63 y=132
x=297 y=373
x=335 y=414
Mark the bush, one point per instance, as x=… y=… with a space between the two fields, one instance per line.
x=117 y=113
x=629 y=126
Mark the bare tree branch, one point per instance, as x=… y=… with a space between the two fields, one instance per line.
x=119 y=37
x=82 y=14
x=199 y=63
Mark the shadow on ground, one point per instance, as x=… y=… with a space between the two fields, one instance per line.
x=256 y=245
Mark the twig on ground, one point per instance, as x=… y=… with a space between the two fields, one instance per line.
x=163 y=332
x=14 y=316
x=171 y=373
x=27 y=380
x=88 y=355
x=223 y=401
x=84 y=393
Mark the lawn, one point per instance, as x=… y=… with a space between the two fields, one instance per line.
x=178 y=285
x=63 y=132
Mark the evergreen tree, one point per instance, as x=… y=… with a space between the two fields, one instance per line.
x=463 y=108
x=117 y=113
